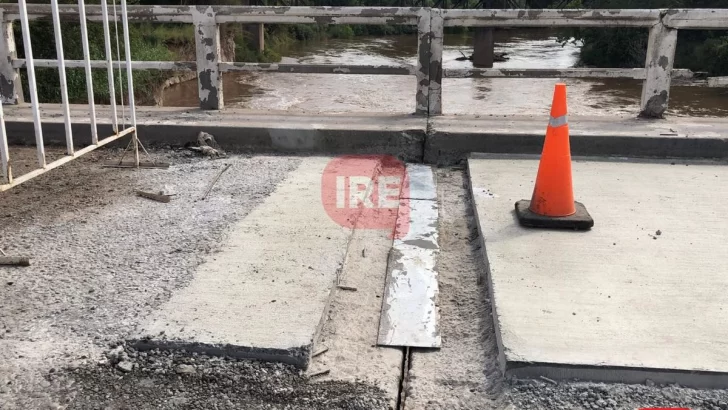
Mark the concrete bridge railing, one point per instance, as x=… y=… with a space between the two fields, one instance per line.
x=658 y=73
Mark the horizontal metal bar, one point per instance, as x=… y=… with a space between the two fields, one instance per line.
x=676 y=18
x=551 y=18
x=320 y=68
x=287 y=19
x=227 y=14
x=636 y=73
x=696 y=19
x=68 y=158
x=192 y=66
x=633 y=73
x=135 y=65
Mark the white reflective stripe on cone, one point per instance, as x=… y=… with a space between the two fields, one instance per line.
x=559 y=121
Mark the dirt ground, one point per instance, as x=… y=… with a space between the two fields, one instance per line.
x=102 y=259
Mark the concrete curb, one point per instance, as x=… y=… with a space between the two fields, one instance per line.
x=407 y=144
x=441 y=140
x=444 y=148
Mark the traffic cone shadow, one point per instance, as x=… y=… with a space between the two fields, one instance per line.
x=552 y=204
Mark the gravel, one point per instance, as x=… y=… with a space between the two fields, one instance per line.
x=531 y=394
x=157 y=381
x=102 y=258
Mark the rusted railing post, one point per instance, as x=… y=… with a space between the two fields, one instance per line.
x=437 y=28
x=11 y=91
x=660 y=60
x=424 y=37
x=209 y=77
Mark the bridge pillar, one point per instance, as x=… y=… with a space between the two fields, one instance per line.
x=209 y=77
x=11 y=91
x=257 y=35
x=483 y=47
x=660 y=60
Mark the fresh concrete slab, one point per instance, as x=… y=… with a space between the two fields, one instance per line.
x=644 y=294
x=263 y=294
x=409 y=308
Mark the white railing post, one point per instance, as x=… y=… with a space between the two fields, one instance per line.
x=62 y=75
x=209 y=77
x=130 y=83
x=89 y=77
x=109 y=66
x=11 y=91
x=23 y=8
x=660 y=60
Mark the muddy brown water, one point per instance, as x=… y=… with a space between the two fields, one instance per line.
x=321 y=93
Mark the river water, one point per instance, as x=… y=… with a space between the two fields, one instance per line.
x=322 y=93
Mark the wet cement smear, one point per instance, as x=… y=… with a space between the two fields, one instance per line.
x=320 y=93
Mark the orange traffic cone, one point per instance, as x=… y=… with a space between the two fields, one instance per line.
x=552 y=204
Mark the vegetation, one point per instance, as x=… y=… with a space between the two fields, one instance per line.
x=148 y=43
x=697 y=50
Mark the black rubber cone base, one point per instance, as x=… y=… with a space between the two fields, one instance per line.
x=580 y=221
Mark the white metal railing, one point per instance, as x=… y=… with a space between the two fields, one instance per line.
x=7 y=180
x=657 y=73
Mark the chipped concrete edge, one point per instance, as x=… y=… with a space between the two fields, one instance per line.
x=298 y=356
x=616 y=374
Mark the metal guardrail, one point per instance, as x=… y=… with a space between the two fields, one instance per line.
x=7 y=48
x=657 y=75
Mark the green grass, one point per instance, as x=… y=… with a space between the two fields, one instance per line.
x=147 y=42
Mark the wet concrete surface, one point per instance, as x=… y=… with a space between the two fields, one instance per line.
x=395 y=94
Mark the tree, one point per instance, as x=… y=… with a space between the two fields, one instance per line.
x=699 y=50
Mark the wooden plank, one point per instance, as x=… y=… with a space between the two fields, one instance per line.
x=635 y=73
x=68 y=158
x=551 y=18
x=155 y=197
x=14 y=261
